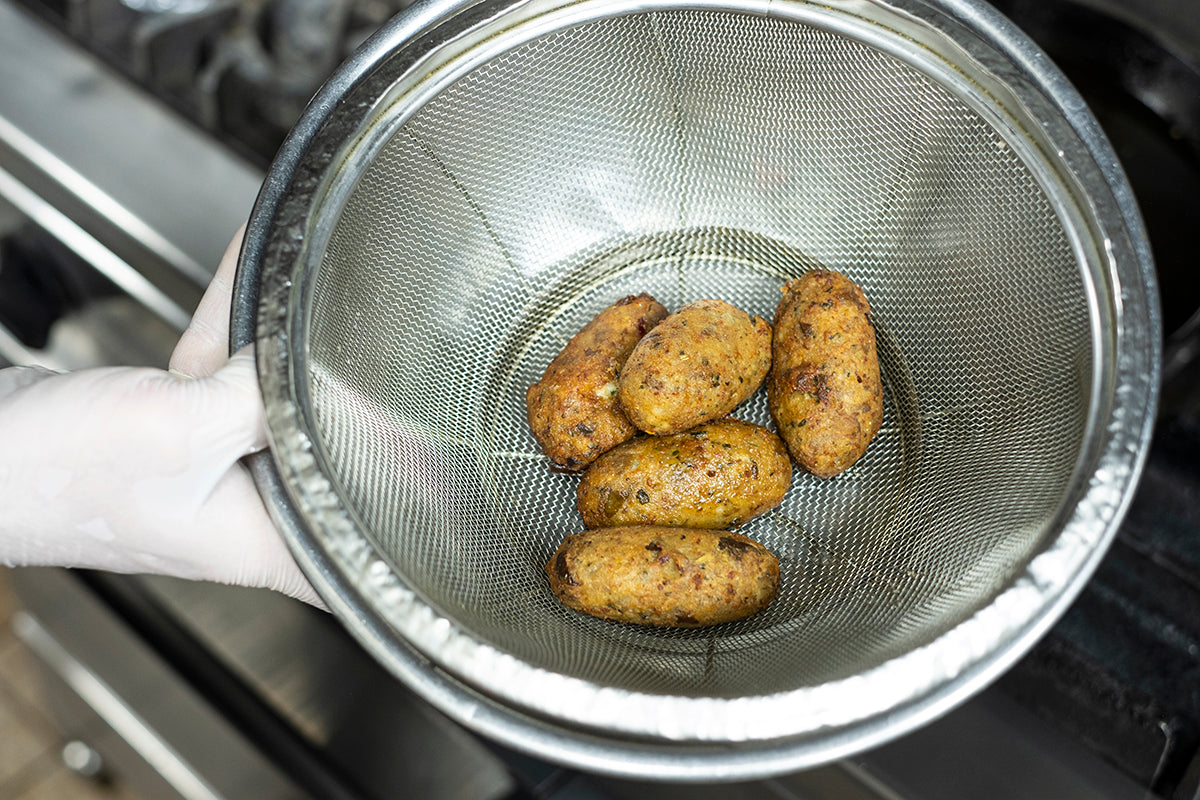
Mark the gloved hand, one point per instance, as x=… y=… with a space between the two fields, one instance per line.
x=136 y=470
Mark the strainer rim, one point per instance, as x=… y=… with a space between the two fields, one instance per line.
x=1135 y=397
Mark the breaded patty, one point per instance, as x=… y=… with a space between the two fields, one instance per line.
x=573 y=410
x=717 y=475
x=667 y=577
x=698 y=365
x=825 y=391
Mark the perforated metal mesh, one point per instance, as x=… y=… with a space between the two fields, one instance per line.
x=698 y=154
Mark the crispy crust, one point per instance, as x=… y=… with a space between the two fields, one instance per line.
x=665 y=577
x=698 y=365
x=573 y=410
x=717 y=475
x=825 y=391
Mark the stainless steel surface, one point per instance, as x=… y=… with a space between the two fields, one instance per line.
x=989 y=749
x=135 y=188
x=108 y=705
x=136 y=192
x=993 y=748
x=347 y=708
x=187 y=744
x=111 y=172
x=421 y=251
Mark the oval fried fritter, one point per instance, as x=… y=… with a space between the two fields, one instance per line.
x=573 y=410
x=717 y=475
x=667 y=577
x=699 y=364
x=825 y=391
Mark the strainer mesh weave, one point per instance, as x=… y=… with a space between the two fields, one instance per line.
x=695 y=154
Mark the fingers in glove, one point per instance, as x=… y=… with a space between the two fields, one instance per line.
x=237 y=524
x=14 y=378
x=231 y=400
x=136 y=470
x=204 y=346
x=215 y=421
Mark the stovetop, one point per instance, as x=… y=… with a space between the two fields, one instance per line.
x=241 y=69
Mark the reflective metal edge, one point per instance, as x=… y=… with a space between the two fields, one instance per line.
x=122 y=681
x=381 y=737
x=90 y=688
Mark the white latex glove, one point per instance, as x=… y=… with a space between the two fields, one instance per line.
x=136 y=470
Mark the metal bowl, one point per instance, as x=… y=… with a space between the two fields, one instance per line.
x=481 y=178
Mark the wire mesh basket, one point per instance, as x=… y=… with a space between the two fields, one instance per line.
x=482 y=178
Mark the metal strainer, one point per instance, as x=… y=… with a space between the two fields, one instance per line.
x=482 y=178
